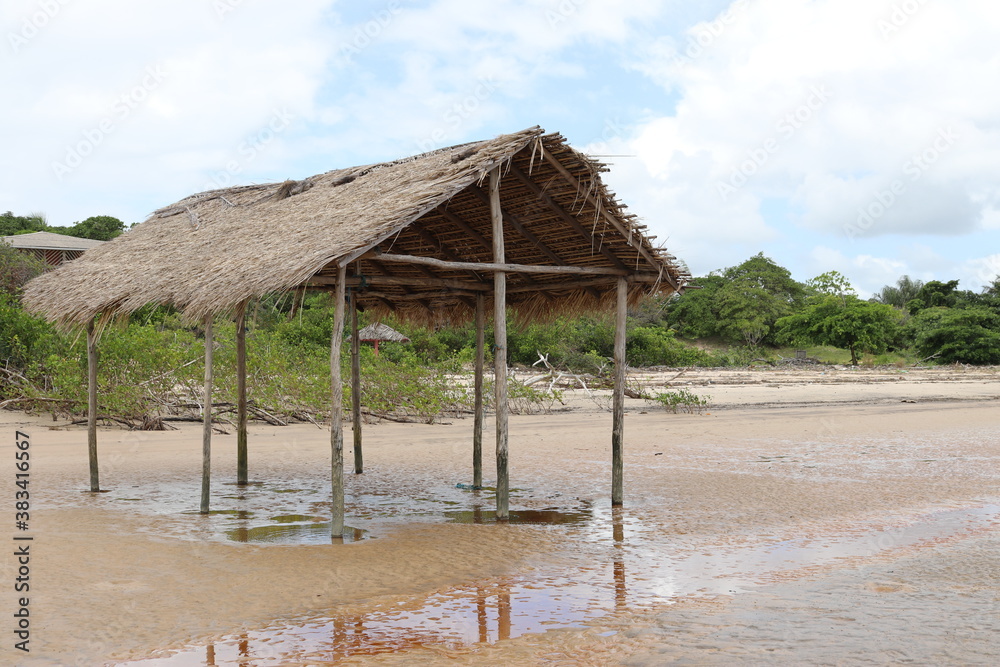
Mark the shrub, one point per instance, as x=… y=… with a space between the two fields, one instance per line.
x=682 y=400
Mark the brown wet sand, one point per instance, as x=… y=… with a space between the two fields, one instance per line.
x=785 y=530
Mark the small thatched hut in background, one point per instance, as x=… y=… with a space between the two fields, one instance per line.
x=522 y=221
x=377 y=332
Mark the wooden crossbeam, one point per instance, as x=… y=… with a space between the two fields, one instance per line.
x=650 y=278
x=502 y=268
x=396 y=281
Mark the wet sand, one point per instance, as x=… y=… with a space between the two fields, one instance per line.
x=811 y=516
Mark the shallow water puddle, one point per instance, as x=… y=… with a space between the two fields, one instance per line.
x=627 y=565
x=538 y=517
x=294 y=532
x=734 y=569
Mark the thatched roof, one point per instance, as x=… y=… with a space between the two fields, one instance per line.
x=378 y=331
x=214 y=250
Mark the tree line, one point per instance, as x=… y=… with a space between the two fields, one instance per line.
x=758 y=304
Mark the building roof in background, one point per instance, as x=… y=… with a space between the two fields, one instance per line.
x=50 y=241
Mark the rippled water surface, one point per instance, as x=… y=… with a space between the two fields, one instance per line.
x=620 y=563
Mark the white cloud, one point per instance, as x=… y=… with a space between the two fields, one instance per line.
x=838 y=106
x=976 y=273
x=118 y=101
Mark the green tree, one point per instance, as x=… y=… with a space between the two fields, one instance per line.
x=934 y=294
x=957 y=335
x=98 y=227
x=898 y=295
x=993 y=288
x=759 y=292
x=747 y=312
x=846 y=322
x=739 y=304
x=11 y=224
x=831 y=283
x=762 y=272
x=694 y=313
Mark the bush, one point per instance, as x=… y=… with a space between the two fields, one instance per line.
x=957 y=335
x=682 y=400
x=24 y=338
x=17 y=268
x=656 y=346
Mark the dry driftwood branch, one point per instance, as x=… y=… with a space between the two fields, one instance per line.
x=553 y=374
x=306 y=417
x=12 y=401
x=266 y=416
x=632 y=393
x=390 y=417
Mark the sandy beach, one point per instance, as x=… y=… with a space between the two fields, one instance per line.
x=810 y=515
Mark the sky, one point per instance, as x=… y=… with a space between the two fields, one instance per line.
x=861 y=136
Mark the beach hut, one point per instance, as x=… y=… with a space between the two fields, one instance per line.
x=53 y=249
x=376 y=332
x=520 y=222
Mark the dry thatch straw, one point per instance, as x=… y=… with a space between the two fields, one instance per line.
x=215 y=250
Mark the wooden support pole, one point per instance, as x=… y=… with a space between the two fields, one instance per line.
x=242 y=477
x=206 y=438
x=337 y=412
x=95 y=481
x=618 y=418
x=477 y=427
x=500 y=347
x=359 y=466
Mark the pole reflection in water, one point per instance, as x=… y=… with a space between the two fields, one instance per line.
x=503 y=612
x=210 y=655
x=244 y=650
x=484 y=630
x=618 y=535
x=340 y=638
